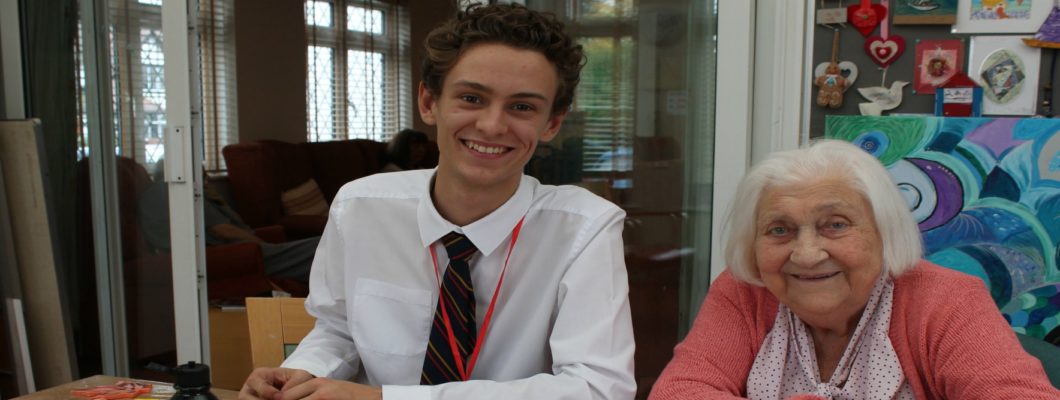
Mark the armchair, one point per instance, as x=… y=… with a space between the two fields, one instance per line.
x=260 y=171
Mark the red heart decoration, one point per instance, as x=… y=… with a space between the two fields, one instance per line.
x=884 y=51
x=865 y=18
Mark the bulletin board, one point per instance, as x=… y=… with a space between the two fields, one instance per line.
x=851 y=48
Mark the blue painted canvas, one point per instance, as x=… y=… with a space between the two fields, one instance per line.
x=986 y=195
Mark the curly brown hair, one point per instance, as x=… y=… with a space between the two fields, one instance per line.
x=509 y=24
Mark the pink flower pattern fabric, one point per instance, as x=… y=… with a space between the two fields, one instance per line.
x=786 y=365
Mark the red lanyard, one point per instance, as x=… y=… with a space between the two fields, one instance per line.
x=465 y=373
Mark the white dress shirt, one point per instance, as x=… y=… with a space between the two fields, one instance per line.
x=561 y=328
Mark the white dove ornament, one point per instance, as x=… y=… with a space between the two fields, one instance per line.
x=881 y=98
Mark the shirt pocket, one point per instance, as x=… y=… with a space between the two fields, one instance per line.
x=390 y=319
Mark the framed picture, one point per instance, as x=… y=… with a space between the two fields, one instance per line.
x=1001 y=16
x=1008 y=72
x=924 y=12
x=936 y=62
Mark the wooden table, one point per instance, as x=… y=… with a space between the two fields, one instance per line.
x=62 y=392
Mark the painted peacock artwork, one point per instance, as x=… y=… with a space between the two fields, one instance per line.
x=986 y=195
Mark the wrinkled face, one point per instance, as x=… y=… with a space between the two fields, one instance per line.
x=495 y=105
x=818 y=250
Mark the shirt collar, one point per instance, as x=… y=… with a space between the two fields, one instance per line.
x=488 y=232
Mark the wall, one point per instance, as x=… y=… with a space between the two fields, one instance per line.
x=271 y=69
x=851 y=49
x=423 y=17
x=271 y=66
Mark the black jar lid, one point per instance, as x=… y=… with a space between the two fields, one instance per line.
x=192 y=374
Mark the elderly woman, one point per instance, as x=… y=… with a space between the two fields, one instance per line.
x=826 y=297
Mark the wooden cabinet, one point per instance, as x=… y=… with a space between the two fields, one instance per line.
x=229 y=348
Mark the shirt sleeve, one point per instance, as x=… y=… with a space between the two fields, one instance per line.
x=974 y=353
x=211 y=215
x=714 y=360
x=328 y=350
x=592 y=337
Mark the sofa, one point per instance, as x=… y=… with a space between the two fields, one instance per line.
x=259 y=172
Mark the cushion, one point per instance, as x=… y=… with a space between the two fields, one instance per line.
x=304 y=199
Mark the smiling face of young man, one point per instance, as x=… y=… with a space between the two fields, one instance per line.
x=495 y=105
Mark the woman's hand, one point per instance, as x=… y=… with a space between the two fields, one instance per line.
x=268 y=383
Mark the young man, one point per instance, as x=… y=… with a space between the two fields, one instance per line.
x=471 y=281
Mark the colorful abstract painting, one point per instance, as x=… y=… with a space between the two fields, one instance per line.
x=986 y=195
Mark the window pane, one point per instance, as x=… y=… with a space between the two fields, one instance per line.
x=605 y=8
x=318 y=13
x=605 y=104
x=464 y=4
x=151 y=2
x=370 y=86
x=320 y=93
x=82 y=115
x=154 y=94
x=364 y=107
x=640 y=134
x=364 y=20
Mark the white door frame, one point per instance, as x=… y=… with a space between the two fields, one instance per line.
x=183 y=166
x=761 y=90
x=110 y=292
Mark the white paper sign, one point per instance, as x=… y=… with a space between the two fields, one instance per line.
x=831 y=16
x=957 y=96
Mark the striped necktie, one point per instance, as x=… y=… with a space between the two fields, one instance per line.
x=458 y=298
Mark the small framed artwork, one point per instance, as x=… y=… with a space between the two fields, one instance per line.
x=1008 y=72
x=1001 y=16
x=936 y=62
x=959 y=97
x=924 y=12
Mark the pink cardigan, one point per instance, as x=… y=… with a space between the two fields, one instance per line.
x=949 y=336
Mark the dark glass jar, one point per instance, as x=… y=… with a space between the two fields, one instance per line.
x=193 y=382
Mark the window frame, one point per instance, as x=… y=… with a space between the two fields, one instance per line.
x=392 y=43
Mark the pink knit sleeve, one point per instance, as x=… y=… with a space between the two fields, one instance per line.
x=714 y=359
x=972 y=352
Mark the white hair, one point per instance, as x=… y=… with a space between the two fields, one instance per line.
x=823 y=159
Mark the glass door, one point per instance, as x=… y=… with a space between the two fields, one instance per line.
x=121 y=109
x=641 y=134
x=136 y=168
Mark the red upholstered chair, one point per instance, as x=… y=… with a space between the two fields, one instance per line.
x=258 y=172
